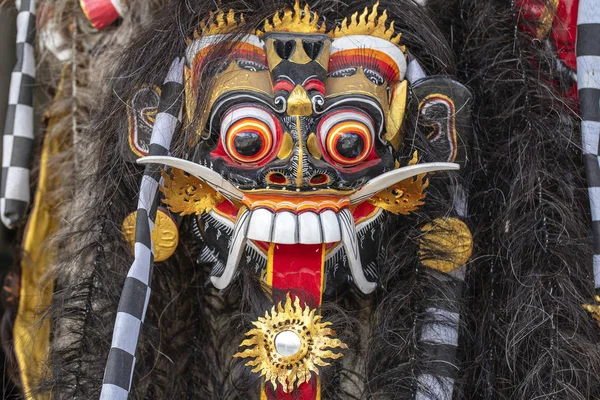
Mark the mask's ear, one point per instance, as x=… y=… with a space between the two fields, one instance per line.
x=445 y=112
x=142 y=107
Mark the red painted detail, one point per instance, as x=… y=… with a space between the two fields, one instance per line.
x=315 y=84
x=221 y=152
x=306 y=391
x=228 y=209
x=366 y=58
x=318 y=179
x=277 y=178
x=284 y=85
x=262 y=245
x=100 y=13
x=564 y=31
x=370 y=160
x=363 y=210
x=255 y=54
x=297 y=268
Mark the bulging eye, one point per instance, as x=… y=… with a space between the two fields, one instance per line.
x=248 y=134
x=347 y=137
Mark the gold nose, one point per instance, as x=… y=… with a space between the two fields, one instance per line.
x=298 y=104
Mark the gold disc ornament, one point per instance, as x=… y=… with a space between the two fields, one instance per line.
x=165 y=235
x=446 y=245
x=288 y=344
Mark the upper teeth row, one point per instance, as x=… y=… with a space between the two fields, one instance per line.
x=288 y=228
x=285 y=227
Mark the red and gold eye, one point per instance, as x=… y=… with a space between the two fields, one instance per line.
x=248 y=135
x=347 y=137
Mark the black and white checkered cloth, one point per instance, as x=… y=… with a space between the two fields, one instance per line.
x=136 y=290
x=18 y=131
x=588 y=82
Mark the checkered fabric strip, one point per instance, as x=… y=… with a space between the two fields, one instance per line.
x=588 y=82
x=136 y=290
x=18 y=131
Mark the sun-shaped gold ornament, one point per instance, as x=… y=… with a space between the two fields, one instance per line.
x=288 y=344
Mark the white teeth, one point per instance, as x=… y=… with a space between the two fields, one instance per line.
x=351 y=246
x=261 y=225
x=236 y=249
x=309 y=228
x=285 y=229
x=288 y=228
x=330 y=226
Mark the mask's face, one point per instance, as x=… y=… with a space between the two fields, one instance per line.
x=300 y=139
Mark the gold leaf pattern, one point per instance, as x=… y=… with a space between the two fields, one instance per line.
x=404 y=197
x=185 y=194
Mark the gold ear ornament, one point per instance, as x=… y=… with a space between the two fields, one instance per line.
x=185 y=194
x=404 y=197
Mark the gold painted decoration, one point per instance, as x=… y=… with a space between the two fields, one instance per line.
x=289 y=344
x=313 y=146
x=369 y=24
x=287 y=145
x=404 y=197
x=395 y=115
x=165 y=235
x=185 y=194
x=357 y=84
x=296 y=20
x=190 y=94
x=219 y=23
x=447 y=244
x=594 y=309
x=299 y=104
x=547 y=17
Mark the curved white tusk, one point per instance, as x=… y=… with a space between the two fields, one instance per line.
x=352 y=252
x=209 y=176
x=238 y=244
x=386 y=180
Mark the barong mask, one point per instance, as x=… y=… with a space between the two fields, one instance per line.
x=294 y=154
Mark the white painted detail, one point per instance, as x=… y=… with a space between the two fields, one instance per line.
x=285 y=229
x=330 y=227
x=261 y=225
x=309 y=228
x=287 y=343
x=238 y=243
x=371 y=42
x=352 y=252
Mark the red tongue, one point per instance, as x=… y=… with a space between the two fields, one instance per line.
x=299 y=269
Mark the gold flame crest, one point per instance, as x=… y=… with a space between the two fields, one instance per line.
x=370 y=24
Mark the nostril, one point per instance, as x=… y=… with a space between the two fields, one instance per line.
x=319 y=179
x=277 y=179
